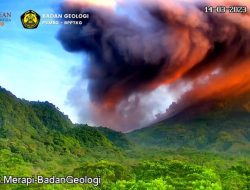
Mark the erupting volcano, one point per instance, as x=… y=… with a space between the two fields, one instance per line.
x=145 y=55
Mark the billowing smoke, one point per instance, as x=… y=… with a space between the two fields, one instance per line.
x=142 y=55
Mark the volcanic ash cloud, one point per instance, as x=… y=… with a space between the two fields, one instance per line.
x=142 y=55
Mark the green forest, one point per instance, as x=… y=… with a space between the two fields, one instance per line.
x=207 y=152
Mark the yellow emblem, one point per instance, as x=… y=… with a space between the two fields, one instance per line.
x=30 y=19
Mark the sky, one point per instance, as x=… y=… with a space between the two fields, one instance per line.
x=33 y=63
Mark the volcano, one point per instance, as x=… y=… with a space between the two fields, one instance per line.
x=214 y=125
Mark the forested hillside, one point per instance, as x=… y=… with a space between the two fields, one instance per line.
x=37 y=139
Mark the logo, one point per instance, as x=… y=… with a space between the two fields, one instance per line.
x=30 y=19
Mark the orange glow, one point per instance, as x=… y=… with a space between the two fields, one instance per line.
x=188 y=39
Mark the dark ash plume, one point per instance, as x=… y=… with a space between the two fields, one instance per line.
x=136 y=49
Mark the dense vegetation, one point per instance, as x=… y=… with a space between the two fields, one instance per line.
x=37 y=139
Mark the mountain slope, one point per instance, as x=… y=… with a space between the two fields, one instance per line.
x=50 y=116
x=119 y=139
x=219 y=125
x=37 y=139
x=39 y=131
